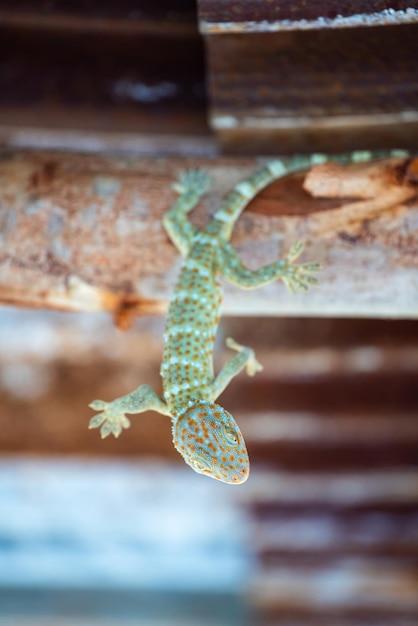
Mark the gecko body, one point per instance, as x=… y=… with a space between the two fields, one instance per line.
x=204 y=433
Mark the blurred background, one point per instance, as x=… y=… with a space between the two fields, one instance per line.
x=325 y=531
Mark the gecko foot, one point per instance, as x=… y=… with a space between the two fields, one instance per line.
x=195 y=181
x=299 y=276
x=252 y=366
x=112 y=419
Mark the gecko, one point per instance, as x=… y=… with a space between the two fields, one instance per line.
x=204 y=433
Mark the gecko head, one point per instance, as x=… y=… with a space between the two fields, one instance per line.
x=210 y=442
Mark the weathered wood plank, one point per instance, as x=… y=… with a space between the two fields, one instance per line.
x=334 y=89
x=178 y=132
x=84 y=233
x=362 y=401
x=362 y=585
x=102 y=79
x=128 y=9
x=338 y=440
x=328 y=489
x=329 y=534
x=326 y=536
x=289 y=75
x=175 y=25
x=224 y=16
x=359 y=617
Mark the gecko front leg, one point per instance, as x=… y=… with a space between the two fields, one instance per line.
x=191 y=185
x=112 y=419
x=297 y=277
x=244 y=358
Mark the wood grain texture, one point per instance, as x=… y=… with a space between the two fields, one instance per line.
x=322 y=89
x=165 y=17
x=84 y=233
x=224 y=16
x=126 y=9
x=98 y=78
x=350 y=404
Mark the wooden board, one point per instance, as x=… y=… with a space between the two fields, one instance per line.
x=331 y=427
x=101 y=77
x=85 y=233
x=224 y=16
x=311 y=76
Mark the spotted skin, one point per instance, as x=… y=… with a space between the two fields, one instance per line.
x=204 y=433
x=210 y=442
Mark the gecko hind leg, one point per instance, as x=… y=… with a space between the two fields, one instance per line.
x=244 y=359
x=112 y=418
x=191 y=185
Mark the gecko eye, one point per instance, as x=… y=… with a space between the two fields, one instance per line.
x=231 y=436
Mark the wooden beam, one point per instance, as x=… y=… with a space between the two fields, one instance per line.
x=160 y=17
x=84 y=233
x=308 y=75
x=389 y=590
x=101 y=79
x=249 y=16
x=347 y=406
x=331 y=427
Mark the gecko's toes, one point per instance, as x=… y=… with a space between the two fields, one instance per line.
x=125 y=422
x=97 y=405
x=105 y=430
x=196 y=180
x=231 y=343
x=295 y=251
x=96 y=420
x=116 y=430
x=253 y=367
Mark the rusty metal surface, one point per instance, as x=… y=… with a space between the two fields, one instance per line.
x=323 y=89
x=84 y=233
x=223 y=16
